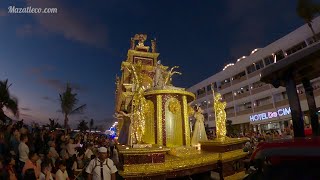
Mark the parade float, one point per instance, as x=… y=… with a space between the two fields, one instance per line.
x=153 y=122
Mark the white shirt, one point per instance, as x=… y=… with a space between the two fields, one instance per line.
x=23 y=152
x=94 y=168
x=61 y=175
x=54 y=152
x=43 y=176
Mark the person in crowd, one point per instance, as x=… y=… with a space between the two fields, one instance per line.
x=23 y=153
x=7 y=133
x=15 y=141
x=70 y=162
x=46 y=171
x=89 y=152
x=53 y=152
x=48 y=158
x=111 y=145
x=32 y=163
x=78 y=164
x=62 y=174
x=101 y=168
x=3 y=172
x=11 y=162
x=71 y=148
x=3 y=147
x=29 y=175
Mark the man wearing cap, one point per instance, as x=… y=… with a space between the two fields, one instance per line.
x=101 y=168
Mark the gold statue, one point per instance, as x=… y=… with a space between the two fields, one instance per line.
x=168 y=79
x=141 y=38
x=153 y=46
x=220 y=116
x=158 y=75
x=132 y=43
x=139 y=103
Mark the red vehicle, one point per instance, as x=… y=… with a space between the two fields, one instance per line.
x=290 y=159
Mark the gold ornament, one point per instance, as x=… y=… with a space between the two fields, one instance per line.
x=139 y=103
x=190 y=111
x=174 y=106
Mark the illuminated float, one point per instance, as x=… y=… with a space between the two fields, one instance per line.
x=153 y=122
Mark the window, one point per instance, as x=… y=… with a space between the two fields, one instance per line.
x=263 y=101
x=268 y=60
x=238 y=76
x=251 y=69
x=227 y=95
x=316 y=85
x=209 y=88
x=201 y=91
x=278 y=97
x=205 y=115
x=226 y=81
x=296 y=48
x=259 y=65
x=204 y=104
x=230 y=110
x=300 y=90
x=241 y=90
x=311 y=39
x=279 y=55
x=244 y=106
x=257 y=84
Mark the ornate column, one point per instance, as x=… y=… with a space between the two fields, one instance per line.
x=296 y=114
x=186 y=121
x=312 y=106
x=159 y=120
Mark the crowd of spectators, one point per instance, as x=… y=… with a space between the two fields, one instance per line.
x=38 y=153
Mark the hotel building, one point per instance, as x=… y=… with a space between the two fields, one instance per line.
x=252 y=104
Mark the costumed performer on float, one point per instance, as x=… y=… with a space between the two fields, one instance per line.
x=199 y=132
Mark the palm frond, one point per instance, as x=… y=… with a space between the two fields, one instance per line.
x=79 y=109
x=12 y=105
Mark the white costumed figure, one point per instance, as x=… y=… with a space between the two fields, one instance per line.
x=199 y=132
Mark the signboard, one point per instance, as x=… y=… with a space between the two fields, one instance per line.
x=270 y=115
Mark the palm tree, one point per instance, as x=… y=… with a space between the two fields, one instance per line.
x=307 y=9
x=91 y=124
x=7 y=101
x=68 y=102
x=53 y=124
x=83 y=126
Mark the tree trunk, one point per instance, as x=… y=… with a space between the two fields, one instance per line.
x=66 y=121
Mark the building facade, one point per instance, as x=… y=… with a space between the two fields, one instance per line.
x=252 y=104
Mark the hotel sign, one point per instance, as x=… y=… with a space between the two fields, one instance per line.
x=270 y=115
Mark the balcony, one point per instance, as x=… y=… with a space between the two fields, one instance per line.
x=236 y=81
x=230 y=114
x=242 y=95
x=228 y=99
x=223 y=86
x=260 y=89
x=201 y=95
x=257 y=72
x=263 y=107
x=246 y=111
x=284 y=102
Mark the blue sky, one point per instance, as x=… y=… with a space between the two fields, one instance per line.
x=86 y=41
